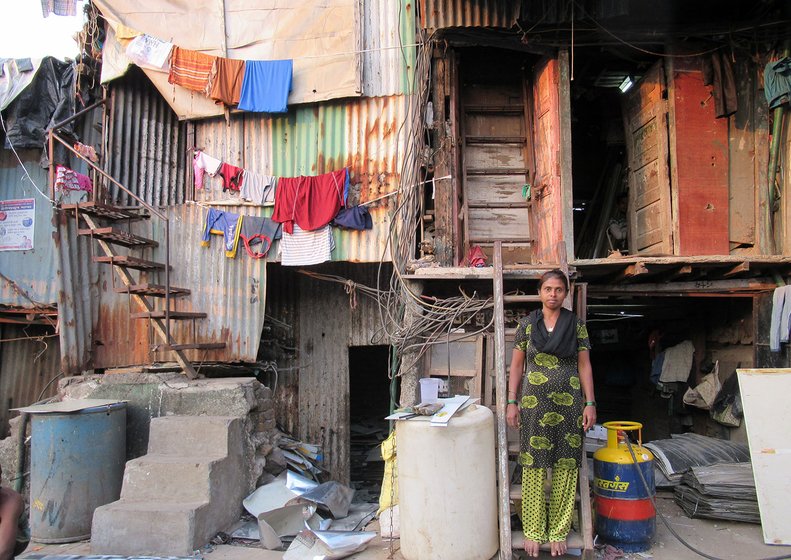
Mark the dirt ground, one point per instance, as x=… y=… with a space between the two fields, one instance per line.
x=722 y=539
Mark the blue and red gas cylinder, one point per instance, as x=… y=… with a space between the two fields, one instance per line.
x=625 y=515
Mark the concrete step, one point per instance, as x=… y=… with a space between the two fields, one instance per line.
x=180 y=478
x=151 y=528
x=194 y=436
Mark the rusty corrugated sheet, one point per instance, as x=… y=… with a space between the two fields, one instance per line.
x=328 y=326
x=439 y=14
x=146 y=143
x=28 y=368
x=367 y=135
x=388 y=57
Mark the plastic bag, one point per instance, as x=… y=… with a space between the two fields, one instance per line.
x=704 y=395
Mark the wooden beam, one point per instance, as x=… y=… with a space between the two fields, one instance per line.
x=736 y=270
x=503 y=486
x=723 y=287
x=680 y=272
x=631 y=271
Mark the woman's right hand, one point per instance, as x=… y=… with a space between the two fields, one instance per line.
x=512 y=415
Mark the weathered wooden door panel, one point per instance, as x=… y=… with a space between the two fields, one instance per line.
x=645 y=123
x=495 y=163
x=548 y=203
x=698 y=163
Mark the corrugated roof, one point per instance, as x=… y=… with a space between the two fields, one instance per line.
x=439 y=14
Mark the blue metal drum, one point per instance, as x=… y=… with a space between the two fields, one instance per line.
x=76 y=465
x=625 y=515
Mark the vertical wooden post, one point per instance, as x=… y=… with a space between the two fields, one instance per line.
x=503 y=481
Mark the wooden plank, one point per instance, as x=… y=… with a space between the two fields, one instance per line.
x=699 y=165
x=495 y=124
x=741 y=145
x=497 y=156
x=444 y=218
x=740 y=268
x=680 y=272
x=631 y=271
x=586 y=519
x=764 y=394
x=498 y=223
x=485 y=94
x=644 y=114
x=685 y=288
x=503 y=482
x=566 y=200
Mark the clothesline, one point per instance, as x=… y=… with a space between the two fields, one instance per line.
x=432 y=180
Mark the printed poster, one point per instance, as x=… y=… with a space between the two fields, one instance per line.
x=17 y=221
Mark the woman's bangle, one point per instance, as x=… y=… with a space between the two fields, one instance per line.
x=590 y=403
x=512 y=401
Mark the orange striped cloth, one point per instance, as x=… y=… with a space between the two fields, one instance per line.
x=190 y=69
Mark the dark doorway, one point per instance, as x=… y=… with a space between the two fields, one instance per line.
x=369 y=396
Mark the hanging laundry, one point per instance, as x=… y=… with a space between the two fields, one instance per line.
x=304 y=248
x=718 y=73
x=259 y=231
x=311 y=202
x=149 y=52
x=225 y=82
x=777 y=82
x=190 y=69
x=677 y=363
x=232 y=177
x=258 y=188
x=356 y=217
x=59 y=7
x=266 y=85
x=204 y=163
x=88 y=152
x=226 y=224
x=780 y=321
x=69 y=180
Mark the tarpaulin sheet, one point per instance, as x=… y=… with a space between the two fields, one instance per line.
x=323 y=39
x=47 y=100
x=16 y=77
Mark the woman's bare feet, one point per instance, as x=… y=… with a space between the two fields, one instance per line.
x=558 y=548
x=531 y=548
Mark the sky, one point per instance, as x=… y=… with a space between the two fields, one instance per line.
x=27 y=33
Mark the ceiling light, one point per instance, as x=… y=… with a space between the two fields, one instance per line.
x=626 y=84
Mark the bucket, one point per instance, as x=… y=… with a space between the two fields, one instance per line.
x=429 y=390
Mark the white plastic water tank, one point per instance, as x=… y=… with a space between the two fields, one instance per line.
x=447 y=487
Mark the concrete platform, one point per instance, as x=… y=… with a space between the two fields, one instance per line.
x=724 y=539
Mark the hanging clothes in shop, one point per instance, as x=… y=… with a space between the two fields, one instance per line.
x=311 y=202
x=69 y=180
x=718 y=73
x=225 y=82
x=356 y=217
x=781 y=318
x=777 y=82
x=232 y=177
x=226 y=224
x=266 y=85
x=190 y=69
x=302 y=248
x=259 y=231
x=678 y=363
x=204 y=163
x=258 y=188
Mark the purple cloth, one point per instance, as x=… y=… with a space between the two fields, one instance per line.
x=356 y=217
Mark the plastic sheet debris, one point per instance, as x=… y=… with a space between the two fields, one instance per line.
x=283 y=522
x=331 y=496
x=247 y=531
x=299 y=484
x=677 y=455
x=327 y=545
x=269 y=497
x=722 y=491
x=360 y=513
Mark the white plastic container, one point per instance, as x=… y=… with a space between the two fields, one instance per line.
x=447 y=487
x=429 y=390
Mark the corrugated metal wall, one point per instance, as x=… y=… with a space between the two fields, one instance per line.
x=389 y=58
x=438 y=14
x=328 y=326
x=28 y=368
x=147 y=143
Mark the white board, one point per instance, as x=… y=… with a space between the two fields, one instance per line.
x=765 y=394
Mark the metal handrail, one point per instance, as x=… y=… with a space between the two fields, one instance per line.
x=54 y=136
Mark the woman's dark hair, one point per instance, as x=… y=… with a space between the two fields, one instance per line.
x=554 y=273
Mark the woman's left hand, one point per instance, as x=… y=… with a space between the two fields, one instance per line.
x=588 y=417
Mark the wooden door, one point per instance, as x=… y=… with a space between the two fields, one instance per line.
x=495 y=164
x=645 y=112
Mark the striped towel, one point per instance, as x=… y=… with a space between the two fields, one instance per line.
x=190 y=69
x=306 y=247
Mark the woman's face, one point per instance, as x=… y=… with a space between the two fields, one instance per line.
x=552 y=293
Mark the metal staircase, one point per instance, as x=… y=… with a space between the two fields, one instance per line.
x=104 y=223
x=509 y=493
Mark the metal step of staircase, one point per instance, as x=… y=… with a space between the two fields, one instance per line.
x=152 y=290
x=192 y=346
x=178 y=315
x=107 y=211
x=118 y=237
x=130 y=262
